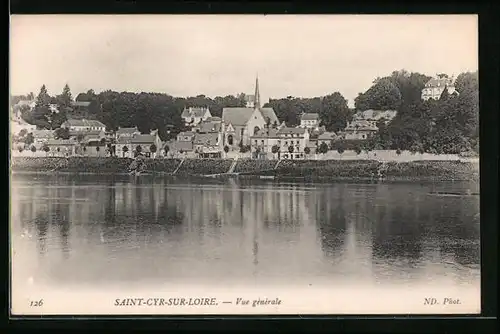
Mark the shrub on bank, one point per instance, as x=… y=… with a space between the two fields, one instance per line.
x=442 y=170
x=38 y=164
x=328 y=168
x=98 y=165
x=205 y=166
x=253 y=166
x=161 y=165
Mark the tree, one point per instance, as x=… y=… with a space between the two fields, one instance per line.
x=152 y=148
x=33 y=149
x=166 y=149
x=125 y=149
x=61 y=133
x=290 y=149
x=334 y=112
x=23 y=133
x=41 y=115
x=138 y=149
x=323 y=148
x=46 y=148
x=29 y=139
x=226 y=149
x=398 y=151
x=97 y=148
x=383 y=95
x=307 y=150
x=357 y=149
x=275 y=149
x=20 y=148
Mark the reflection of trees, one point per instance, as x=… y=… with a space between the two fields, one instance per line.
x=42 y=226
x=332 y=223
x=397 y=234
x=457 y=230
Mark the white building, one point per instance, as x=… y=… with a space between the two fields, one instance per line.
x=309 y=120
x=83 y=125
x=293 y=141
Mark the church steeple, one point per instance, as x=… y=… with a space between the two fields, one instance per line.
x=257 y=93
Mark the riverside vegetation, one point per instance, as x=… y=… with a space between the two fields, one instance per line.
x=296 y=169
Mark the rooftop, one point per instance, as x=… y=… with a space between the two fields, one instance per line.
x=143 y=139
x=375 y=115
x=265 y=133
x=126 y=130
x=310 y=117
x=83 y=123
x=209 y=139
x=194 y=112
x=295 y=131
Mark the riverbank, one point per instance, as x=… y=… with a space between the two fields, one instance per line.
x=247 y=168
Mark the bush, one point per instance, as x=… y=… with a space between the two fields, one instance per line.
x=250 y=166
x=205 y=166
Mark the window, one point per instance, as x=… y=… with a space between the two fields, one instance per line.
x=262 y=141
x=255 y=130
x=230 y=139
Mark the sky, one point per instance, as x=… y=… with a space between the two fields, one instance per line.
x=189 y=55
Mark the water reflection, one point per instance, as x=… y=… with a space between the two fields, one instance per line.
x=135 y=230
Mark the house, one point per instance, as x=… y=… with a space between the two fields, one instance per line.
x=359 y=129
x=182 y=148
x=83 y=125
x=42 y=136
x=435 y=87
x=262 y=143
x=211 y=125
x=309 y=120
x=327 y=138
x=250 y=101
x=61 y=147
x=240 y=123
x=186 y=136
x=126 y=132
x=194 y=115
x=208 y=145
x=148 y=145
x=365 y=123
x=293 y=141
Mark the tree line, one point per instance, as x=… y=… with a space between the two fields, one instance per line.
x=448 y=125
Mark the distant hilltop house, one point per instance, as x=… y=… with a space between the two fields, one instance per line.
x=309 y=120
x=435 y=87
x=194 y=115
x=364 y=123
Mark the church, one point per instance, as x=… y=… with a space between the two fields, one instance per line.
x=240 y=123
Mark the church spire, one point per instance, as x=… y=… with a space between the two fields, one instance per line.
x=257 y=93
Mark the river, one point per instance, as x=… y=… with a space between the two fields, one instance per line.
x=99 y=234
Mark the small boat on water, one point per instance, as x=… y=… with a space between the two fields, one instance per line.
x=267 y=177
